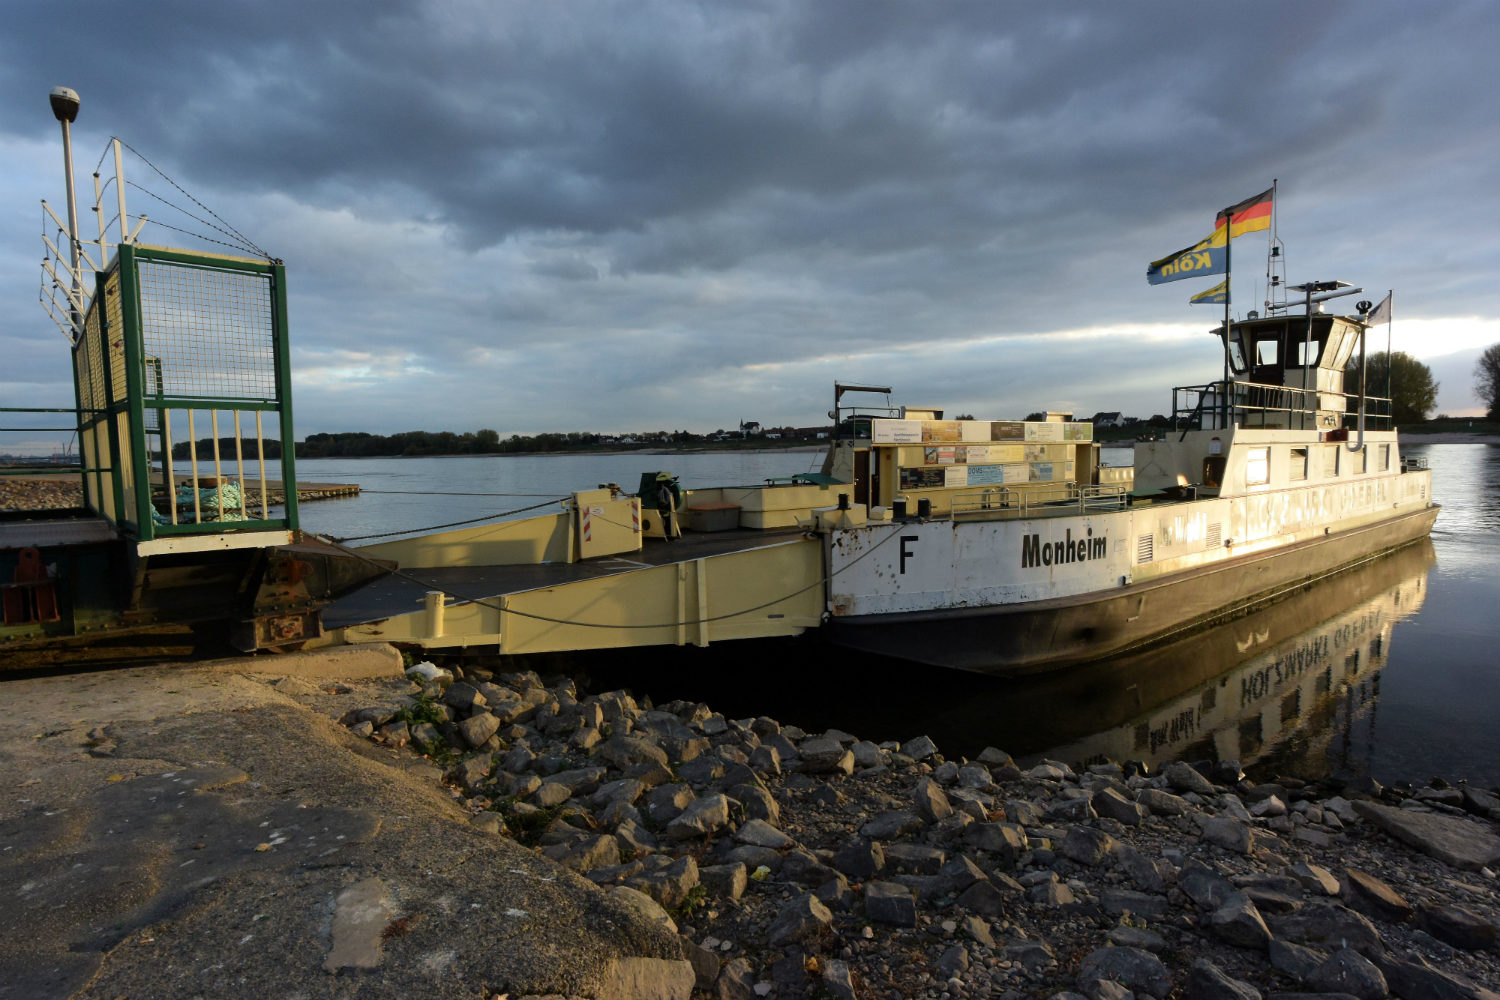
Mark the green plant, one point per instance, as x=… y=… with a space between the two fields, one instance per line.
x=440 y=752
x=695 y=900
x=424 y=709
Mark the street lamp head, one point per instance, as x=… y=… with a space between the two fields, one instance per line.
x=64 y=104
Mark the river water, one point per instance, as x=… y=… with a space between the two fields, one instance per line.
x=1391 y=670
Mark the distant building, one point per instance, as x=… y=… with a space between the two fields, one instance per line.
x=1108 y=418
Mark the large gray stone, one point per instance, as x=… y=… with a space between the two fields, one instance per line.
x=1132 y=968
x=1206 y=981
x=1347 y=971
x=476 y=729
x=1238 y=922
x=860 y=859
x=802 y=919
x=762 y=834
x=889 y=825
x=930 y=802
x=1462 y=843
x=1416 y=980
x=1330 y=926
x=647 y=979
x=1295 y=960
x=1205 y=887
x=1459 y=927
x=1007 y=841
x=1162 y=803
x=1185 y=778
x=821 y=755
x=1111 y=804
x=702 y=818
x=1372 y=897
x=890 y=903
x=1228 y=833
x=1087 y=846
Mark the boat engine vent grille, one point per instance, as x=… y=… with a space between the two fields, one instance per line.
x=1145 y=548
x=1215 y=536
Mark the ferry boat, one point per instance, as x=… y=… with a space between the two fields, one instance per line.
x=1260 y=486
x=997 y=546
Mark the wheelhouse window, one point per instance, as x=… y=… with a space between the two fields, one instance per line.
x=1331 y=461
x=1297 y=464
x=1257 y=466
x=1385 y=458
x=1360 y=461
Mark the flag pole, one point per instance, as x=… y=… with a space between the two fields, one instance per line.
x=1389 y=322
x=1228 y=291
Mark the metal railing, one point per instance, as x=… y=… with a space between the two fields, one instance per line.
x=1255 y=404
x=1046 y=501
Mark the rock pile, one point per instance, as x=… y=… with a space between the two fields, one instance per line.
x=821 y=865
x=54 y=493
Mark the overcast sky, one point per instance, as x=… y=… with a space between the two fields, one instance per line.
x=617 y=216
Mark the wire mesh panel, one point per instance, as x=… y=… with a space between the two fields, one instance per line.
x=207 y=333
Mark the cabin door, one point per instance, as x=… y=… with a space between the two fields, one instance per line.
x=862 y=477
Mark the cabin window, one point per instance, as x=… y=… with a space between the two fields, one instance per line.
x=1236 y=356
x=1331 y=461
x=1302 y=350
x=1359 y=462
x=1346 y=348
x=1257 y=466
x=1297 y=464
x=1385 y=458
x=1267 y=351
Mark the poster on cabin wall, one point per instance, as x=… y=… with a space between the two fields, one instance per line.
x=941 y=455
x=956 y=475
x=1078 y=430
x=1037 y=430
x=940 y=430
x=986 y=475
x=1008 y=430
x=1017 y=472
x=922 y=478
x=896 y=431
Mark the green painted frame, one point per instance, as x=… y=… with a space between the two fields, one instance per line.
x=132 y=409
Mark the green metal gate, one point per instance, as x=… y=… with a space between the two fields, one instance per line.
x=186 y=353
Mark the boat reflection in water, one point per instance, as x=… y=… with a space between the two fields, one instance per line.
x=1274 y=687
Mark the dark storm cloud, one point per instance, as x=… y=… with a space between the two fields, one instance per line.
x=686 y=191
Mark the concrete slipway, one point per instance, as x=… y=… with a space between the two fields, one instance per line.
x=206 y=832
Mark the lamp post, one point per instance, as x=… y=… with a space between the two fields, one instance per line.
x=65 y=102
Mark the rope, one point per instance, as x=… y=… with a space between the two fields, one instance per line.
x=246 y=245
x=436 y=527
x=450 y=493
x=227 y=231
x=486 y=603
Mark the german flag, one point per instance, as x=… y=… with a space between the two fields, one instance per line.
x=1249 y=216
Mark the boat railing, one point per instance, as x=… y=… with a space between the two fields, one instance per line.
x=1049 y=501
x=1253 y=404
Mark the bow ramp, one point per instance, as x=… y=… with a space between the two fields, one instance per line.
x=601 y=574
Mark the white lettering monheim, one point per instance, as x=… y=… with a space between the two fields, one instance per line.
x=1035 y=552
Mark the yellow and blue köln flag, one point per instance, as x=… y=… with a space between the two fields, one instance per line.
x=1249 y=216
x=1217 y=295
x=1206 y=257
